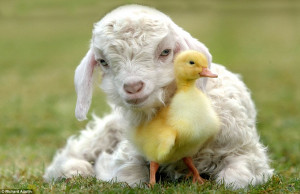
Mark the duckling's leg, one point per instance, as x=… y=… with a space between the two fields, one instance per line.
x=193 y=170
x=153 y=169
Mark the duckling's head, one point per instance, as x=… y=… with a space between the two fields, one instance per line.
x=190 y=65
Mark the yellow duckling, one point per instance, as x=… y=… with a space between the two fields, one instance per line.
x=179 y=130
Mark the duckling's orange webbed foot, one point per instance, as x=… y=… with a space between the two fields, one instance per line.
x=193 y=171
x=188 y=175
x=153 y=169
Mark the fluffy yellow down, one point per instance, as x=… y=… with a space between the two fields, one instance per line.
x=180 y=129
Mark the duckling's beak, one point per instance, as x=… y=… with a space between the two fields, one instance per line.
x=207 y=73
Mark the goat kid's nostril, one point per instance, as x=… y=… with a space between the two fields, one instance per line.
x=133 y=88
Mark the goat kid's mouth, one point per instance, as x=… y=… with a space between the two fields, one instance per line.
x=136 y=100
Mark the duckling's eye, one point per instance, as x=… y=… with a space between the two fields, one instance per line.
x=103 y=62
x=192 y=62
x=165 y=52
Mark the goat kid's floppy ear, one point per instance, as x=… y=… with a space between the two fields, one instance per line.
x=186 y=42
x=84 y=84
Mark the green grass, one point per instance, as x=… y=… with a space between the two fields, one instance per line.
x=41 y=43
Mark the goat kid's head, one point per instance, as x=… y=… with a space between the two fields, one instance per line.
x=135 y=48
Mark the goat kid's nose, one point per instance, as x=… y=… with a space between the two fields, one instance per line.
x=134 y=87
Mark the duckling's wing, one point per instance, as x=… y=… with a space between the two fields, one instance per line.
x=167 y=142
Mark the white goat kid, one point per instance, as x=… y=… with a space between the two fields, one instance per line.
x=135 y=47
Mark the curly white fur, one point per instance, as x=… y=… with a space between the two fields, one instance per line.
x=129 y=40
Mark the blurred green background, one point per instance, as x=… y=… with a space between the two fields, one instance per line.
x=42 y=42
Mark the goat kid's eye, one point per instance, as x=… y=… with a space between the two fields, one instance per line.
x=103 y=63
x=165 y=52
